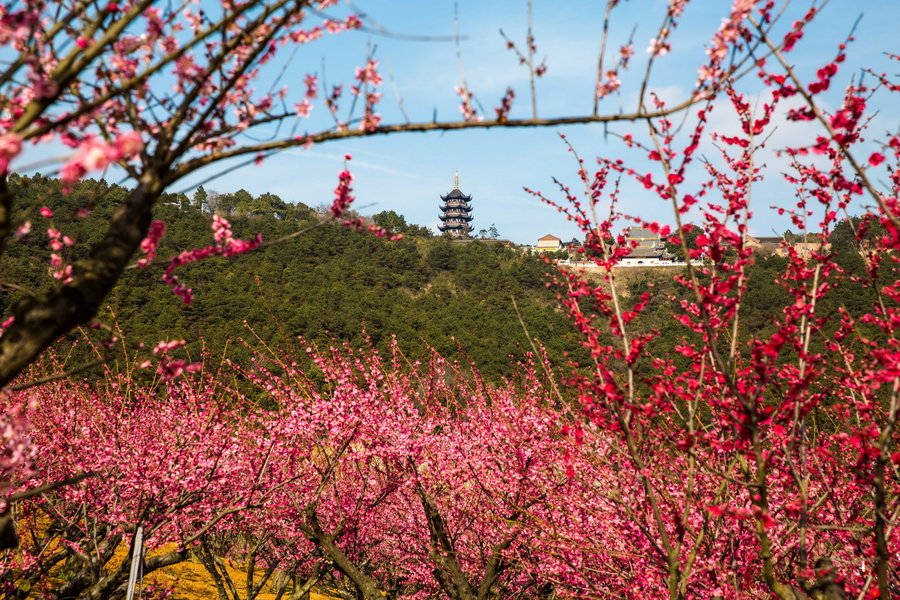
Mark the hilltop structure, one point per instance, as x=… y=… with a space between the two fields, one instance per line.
x=456 y=213
x=779 y=245
x=648 y=248
x=548 y=243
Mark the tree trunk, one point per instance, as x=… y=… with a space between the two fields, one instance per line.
x=40 y=320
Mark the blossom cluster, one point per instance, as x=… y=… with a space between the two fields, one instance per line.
x=93 y=154
x=466 y=107
x=226 y=245
x=16 y=448
x=150 y=244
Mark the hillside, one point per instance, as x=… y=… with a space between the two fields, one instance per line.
x=331 y=283
x=335 y=284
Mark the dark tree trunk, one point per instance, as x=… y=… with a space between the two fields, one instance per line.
x=40 y=320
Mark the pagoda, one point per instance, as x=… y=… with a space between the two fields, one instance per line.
x=456 y=212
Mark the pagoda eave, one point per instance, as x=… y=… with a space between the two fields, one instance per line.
x=455 y=212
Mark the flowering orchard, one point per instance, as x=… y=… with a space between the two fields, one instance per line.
x=156 y=92
x=387 y=479
x=372 y=477
x=753 y=465
x=732 y=464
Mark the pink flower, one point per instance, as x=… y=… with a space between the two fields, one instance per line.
x=164 y=347
x=342 y=197
x=128 y=144
x=226 y=245
x=150 y=243
x=72 y=171
x=10 y=147
x=676 y=7
x=64 y=275
x=369 y=73
x=370 y=121
x=303 y=108
x=312 y=86
x=221 y=229
x=94 y=155
x=466 y=108
x=23 y=230
x=46 y=212
x=658 y=47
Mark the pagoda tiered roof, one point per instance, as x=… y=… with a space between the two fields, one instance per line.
x=455 y=211
x=455 y=194
x=455 y=217
x=456 y=206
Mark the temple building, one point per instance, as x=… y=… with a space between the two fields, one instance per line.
x=456 y=213
x=647 y=249
x=548 y=243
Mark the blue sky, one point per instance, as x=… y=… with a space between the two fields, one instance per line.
x=408 y=172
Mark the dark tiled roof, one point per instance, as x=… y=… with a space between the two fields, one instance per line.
x=641 y=252
x=463 y=207
x=456 y=194
x=636 y=233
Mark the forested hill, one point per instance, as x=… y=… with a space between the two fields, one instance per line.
x=335 y=284
x=331 y=283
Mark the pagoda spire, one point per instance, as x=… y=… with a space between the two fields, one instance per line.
x=456 y=213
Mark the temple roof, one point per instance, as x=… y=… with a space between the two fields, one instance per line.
x=644 y=252
x=459 y=207
x=642 y=233
x=455 y=194
x=455 y=228
x=465 y=217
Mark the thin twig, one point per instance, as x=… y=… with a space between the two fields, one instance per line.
x=49 y=487
x=397 y=95
x=537 y=355
x=609 y=7
x=529 y=41
x=58 y=376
